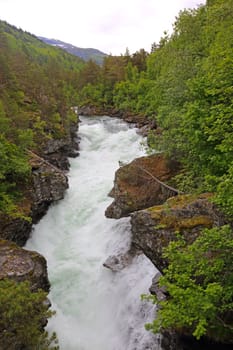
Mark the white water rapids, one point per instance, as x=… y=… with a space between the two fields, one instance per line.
x=96 y=309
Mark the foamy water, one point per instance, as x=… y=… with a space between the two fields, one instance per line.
x=96 y=309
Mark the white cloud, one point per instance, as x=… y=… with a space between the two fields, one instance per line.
x=109 y=25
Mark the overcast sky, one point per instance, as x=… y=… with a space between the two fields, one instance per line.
x=108 y=25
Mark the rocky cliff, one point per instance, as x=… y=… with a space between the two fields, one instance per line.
x=158 y=213
x=48 y=184
x=57 y=151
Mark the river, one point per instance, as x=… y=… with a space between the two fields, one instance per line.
x=96 y=309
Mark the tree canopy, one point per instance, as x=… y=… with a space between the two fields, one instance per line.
x=38 y=85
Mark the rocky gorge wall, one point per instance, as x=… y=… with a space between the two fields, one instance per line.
x=47 y=184
x=157 y=213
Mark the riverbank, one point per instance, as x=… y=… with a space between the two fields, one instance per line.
x=158 y=213
x=47 y=184
x=141 y=121
x=76 y=238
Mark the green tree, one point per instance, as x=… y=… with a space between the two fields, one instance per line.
x=23 y=315
x=14 y=169
x=198 y=283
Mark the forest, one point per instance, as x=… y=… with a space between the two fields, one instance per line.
x=38 y=85
x=185 y=85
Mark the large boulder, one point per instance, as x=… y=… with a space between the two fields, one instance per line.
x=136 y=187
x=154 y=227
x=21 y=265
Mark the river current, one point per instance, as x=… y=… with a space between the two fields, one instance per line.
x=96 y=309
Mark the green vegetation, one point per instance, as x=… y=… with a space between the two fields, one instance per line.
x=198 y=282
x=186 y=85
x=114 y=83
x=14 y=168
x=23 y=314
x=38 y=85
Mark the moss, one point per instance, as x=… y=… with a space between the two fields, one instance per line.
x=178 y=202
x=166 y=216
x=183 y=200
x=172 y=221
x=156 y=212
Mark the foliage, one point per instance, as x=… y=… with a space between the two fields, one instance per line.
x=14 y=169
x=193 y=93
x=186 y=84
x=100 y=85
x=224 y=193
x=22 y=316
x=38 y=85
x=198 y=283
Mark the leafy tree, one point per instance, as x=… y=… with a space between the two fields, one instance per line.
x=139 y=59
x=38 y=85
x=23 y=315
x=198 y=283
x=14 y=168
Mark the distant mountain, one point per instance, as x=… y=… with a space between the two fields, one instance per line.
x=85 y=54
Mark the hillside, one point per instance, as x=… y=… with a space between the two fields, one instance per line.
x=85 y=53
x=38 y=85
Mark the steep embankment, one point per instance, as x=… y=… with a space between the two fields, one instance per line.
x=38 y=126
x=155 y=227
x=158 y=214
x=47 y=184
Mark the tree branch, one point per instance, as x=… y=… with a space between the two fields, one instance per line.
x=160 y=182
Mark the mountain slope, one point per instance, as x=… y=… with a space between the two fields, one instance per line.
x=38 y=87
x=86 y=54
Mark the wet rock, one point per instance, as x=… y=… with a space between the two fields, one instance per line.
x=87 y=111
x=146 y=128
x=135 y=188
x=155 y=289
x=153 y=228
x=21 y=265
x=119 y=262
x=57 y=151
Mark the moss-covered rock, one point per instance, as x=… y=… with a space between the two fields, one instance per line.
x=154 y=227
